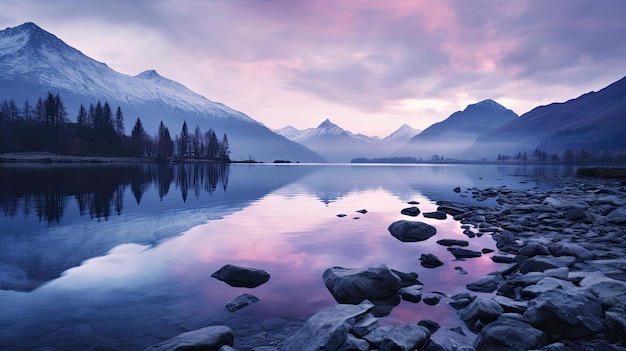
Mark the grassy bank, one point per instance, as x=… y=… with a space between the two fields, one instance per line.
x=602 y=172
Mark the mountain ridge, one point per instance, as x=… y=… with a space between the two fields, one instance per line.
x=34 y=62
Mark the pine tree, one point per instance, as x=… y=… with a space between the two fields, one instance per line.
x=119 y=122
x=138 y=139
x=198 y=145
x=224 y=149
x=183 y=146
x=81 y=120
x=213 y=144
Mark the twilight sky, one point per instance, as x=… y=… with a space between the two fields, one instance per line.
x=369 y=66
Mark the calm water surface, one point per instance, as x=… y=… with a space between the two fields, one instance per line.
x=120 y=256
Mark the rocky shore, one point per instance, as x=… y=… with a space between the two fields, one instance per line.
x=562 y=285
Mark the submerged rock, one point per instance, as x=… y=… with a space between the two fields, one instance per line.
x=240 y=302
x=412 y=211
x=464 y=253
x=430 y=261
x=453 y=242
x=435 y=215
x=238 y=276
x=411 y=231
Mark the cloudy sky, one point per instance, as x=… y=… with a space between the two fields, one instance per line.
x=369 y=66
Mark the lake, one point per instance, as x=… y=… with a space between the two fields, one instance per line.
x=120 y=256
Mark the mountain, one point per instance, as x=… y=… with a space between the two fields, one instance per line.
x=34 y=62
x=451 y=137
x=595 y=122
x=340 y=145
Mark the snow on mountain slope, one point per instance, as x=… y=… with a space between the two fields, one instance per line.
x=340 y=145
x=34 y=62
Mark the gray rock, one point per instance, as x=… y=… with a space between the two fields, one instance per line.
x=353 y=285
x=575 y=214
x=451 y=210
x=398 y=338
x=406 y=279
x=541 y=263
x=533 y=249
x=616 y=324
x=430 y=261
x=486 y=284
x=449 y=339
x=570 y=249
x=617 y=216
x=479 y=312
x=410 y=231
x=240 y=302
x=209 y=338
x=501 y=259
x=611 y=292
x=565 y=314
x=327 y=329
x=464 y=253
x=435 y=215
x=546 y=284
x=238 y=276
x=412 y=211
x=365 y=324
x=507 y=333
x=511 y=306
x=354 y=344
x=453 y=242
x=412 y=293
x=431 y=299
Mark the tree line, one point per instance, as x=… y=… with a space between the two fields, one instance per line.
x=99 y=131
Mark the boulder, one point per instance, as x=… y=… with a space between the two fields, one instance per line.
x=541 y=263
x=364 y=325
x=464 y=253
x=611 y=292
x=488 y=283
x=407 y=337
x=479 y=312
x=327 y=330
x=238 y=276
x=570 y=249
x=353 y=285
x=431 y=299
x=565 y=314
x=449 y=339
x=453 y=242
x=412 y=293
x=412 y=211
x=617 y=216
x=533 y=249
x=240 y=302
x=208 y=338
x=511 y=306
x=435 y=215
x=430 y=261
x=546 y=284
x=509 y=333
x=353 y=343
x=407 y=279
x=616 y=324
x=411 y=231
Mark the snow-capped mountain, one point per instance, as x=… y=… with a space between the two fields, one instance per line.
x=595 y=122
x=452 y=137
x=34 y=62
x=340 y=145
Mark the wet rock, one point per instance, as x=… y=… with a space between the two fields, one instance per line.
x=407 y=279
x=240 y=302
x=412 y=293
x=341 y=215
x=327 y=329
x=546 y=284
x=541 y=263
x=401 y=338
x=410 y=231
x=501 y=259
x=354 y=344
x=480 y=312
x=570 y=314
x=431 y=299
x=449 y=339
x=353 y=285
x=506 y=242
x=486 y=284
x=208 y=338
x=511 y=306
x=460 y=270
x=238 y=276
x=509 y=333
x=570 y=249
x=534 y=249
x=464 y=253
x=363 y=211
x=617 y=216
x=457 y=189
x=453 y=242
x=430 y=261
x=364 y=325
x=432 y=326
x=451 y=210
x=460 y=300
x=435 y=215
x=412 y=211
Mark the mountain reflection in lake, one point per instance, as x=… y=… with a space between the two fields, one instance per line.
x=120 y=256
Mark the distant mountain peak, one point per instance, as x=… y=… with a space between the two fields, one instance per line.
x=488 y=104
x=327 y=124
x=149 y=74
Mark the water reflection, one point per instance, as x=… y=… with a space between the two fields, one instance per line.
x=45 y=190
x=142 y=274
